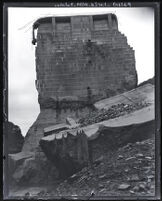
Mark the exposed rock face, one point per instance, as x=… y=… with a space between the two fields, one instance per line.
x=15 y=138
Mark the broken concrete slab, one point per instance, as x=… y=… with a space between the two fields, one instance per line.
x=70 y=152
x=55 y=129
x=71 y=122
x=100 y=138
x=143 y=93
x=15 y=160
x=30 y=171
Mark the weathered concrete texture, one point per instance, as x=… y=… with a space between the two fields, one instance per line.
x=66 y=151
x=143 y=93
x=74 y=53
x=49 y=117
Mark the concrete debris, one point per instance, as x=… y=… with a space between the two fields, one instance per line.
x=142 y=187
x=100 y=159
x=123 y=186
x=126 y=170
x=150 y=176
x=134 y=178
x=120 y=157
x=113 y=112
x=130 y=158
x=139 y=155
x=102 y=176
x=101 y=185
x=136 y=188
x=104 y=189
x=148 y=157
x=71 y=122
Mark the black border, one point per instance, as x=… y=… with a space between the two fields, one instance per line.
x=156 y=6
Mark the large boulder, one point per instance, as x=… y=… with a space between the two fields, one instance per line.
x=14 y=137
x=33 y=169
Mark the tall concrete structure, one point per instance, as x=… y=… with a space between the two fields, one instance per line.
x=79 y=60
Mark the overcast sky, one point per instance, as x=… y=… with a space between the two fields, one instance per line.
x=136 y=23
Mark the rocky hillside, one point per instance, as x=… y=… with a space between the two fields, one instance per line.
x=15 y=138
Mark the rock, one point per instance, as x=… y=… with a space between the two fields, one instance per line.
x=100 y=159
x=104 y=189
x=134 y=177
x=150 y=176
x=139 y=155
x=73 y=178
x=15 y=160
x=148 y=157
x=130 y=158
x=142 y=187
x=41 y=193
x=15 y=138
x=27 y=195
x=149 y=181
x=30 y=171
x=71 y=122
x=136 y=188
x=82 y=178
x=68 y=154
x=120 y=157
x=126 y=170
x=126 y=147
x=102 y=176
x=140 y=143
x=101 y=185
x=124 y=186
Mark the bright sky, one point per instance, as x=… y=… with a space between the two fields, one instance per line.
x=136 y=23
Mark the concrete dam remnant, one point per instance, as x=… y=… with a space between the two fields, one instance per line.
x=79 y=60
x=78 y=56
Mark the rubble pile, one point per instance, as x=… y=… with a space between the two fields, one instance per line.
x=128 y=171
x=111 y=113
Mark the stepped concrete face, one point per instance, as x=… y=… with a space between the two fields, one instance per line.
x=79 y=60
